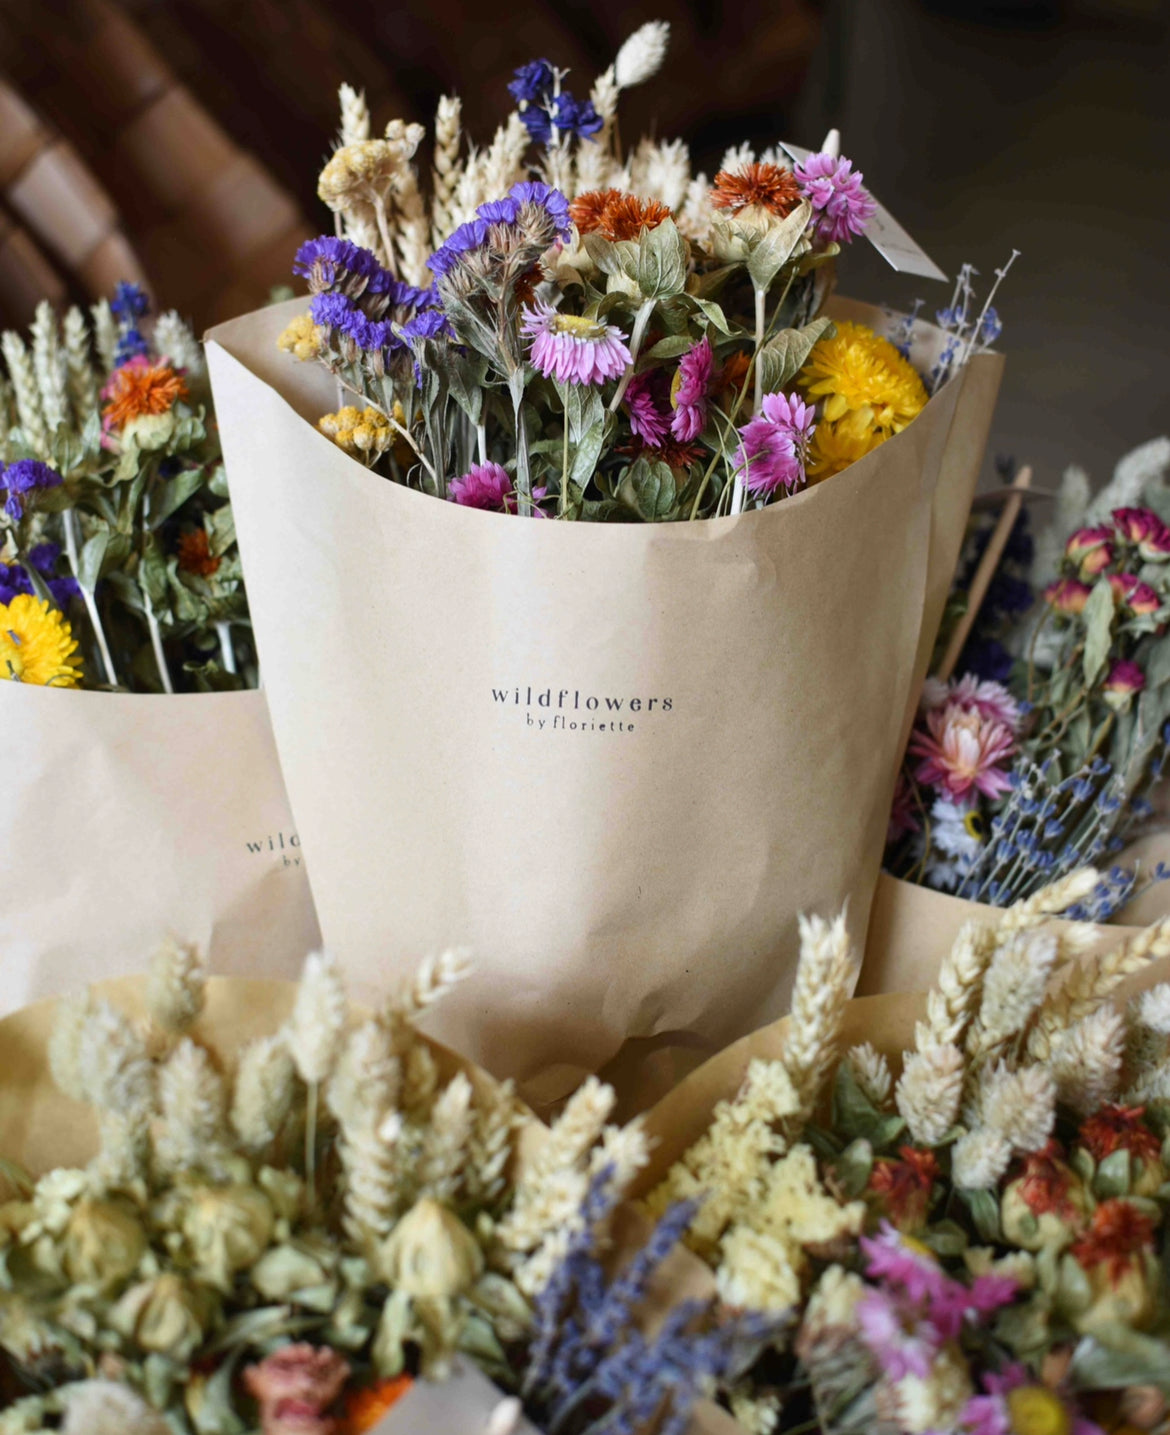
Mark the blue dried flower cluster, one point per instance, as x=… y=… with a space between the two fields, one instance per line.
x=23 y=477
x=129 y=304
x=532 y=213
x=356 y=297
x=544 y=107
x=43 y=559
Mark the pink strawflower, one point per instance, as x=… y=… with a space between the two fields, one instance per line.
x=650 y=419
x=903 y=812
x=990 y=1413
x=1068 y=595
x=888 y=1258
x=775 y=444
x=573 y=350
x=689 y=392
x=841 y=206
x=990 y=699
x=962 y=751
x=484 y=485
x=1143 y=527
x=902 y=1341
x=1137 y=596
x=956 y=1303
x=1087 y=540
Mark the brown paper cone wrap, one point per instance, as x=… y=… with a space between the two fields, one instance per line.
x=130 y=817
x=613 y=885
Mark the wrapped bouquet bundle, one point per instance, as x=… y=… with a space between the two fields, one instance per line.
x=240 y=1205
x=1044 y=743
x=147 y=794
x=955 y=1202
x=574 y=730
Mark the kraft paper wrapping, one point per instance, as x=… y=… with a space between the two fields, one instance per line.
x=435 y=675
x=125 y=818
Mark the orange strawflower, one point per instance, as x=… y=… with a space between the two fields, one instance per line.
x=903 y=1187
x=731 y=377
x=1118 y=1232
x=616 y=215
x=1120 y=1128
x=195 y=555
x=768 y=186
x=364 y=1408
x=140 y=388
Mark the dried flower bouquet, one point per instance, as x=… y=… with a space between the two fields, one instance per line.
x=118 y=561
x=558 y=330
x=290 y=1235
x=963 y=1217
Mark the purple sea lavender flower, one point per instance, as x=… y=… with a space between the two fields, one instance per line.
x=650 y=418
x=537 y=122
x=690 y=392
x=574 y=350
x=499 y=211
x=774 y=444
x=469 y=236
x=842 y=207
x=429 y=324
x=329 y=262
x=23 y=477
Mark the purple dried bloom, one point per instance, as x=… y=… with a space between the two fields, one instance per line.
x=13 y=581
x=888 y=1258
x=329 y=262
x=335 y=311
x=429 y=324
x=901 y=1339
x=574 y=350
x=532 y=82
x=535 y=191
x=499 y=211
x=774 y=445
x=537 y=123
x=484 y=485
x=573 y=116
x=472 y=235
x=25 y=476
x=841 y=206
x=690 y=393
x=650 y=420
x=130 y=302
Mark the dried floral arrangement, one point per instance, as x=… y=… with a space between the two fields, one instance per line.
x=975 y=1243
x=1040 y=756
x=118 y=560
x=562 y=330
x=287 y=1241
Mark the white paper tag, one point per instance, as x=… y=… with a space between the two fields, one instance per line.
x=466 y=1403
x=887 y=236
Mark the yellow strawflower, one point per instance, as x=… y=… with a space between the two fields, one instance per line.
x=364 y=433
x=863 y=381
x=1033 y=1410
x=302 y=339
x=834 y=447
x=37 y=645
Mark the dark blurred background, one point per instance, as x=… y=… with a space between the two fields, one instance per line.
x=177 y=141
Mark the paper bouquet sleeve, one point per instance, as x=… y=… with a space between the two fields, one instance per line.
x=126 y=818
x=613 y=760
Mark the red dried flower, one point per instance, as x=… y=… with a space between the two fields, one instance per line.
x=904 y=1186
x=616 y=215
x=766 y=186
x=1045 y=1183
x=671 y=452
x=195 y=555
x=1117 y=1233
x=1120 y=1128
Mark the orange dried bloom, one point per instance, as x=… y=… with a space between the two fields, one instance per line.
x=768 y=186
x=1119 y=1231
x=364 y=1408
x=734 y=372
x=138 y=390
x=195 y=555
x=616 y=215
x=1120 y=1128
x=1045 y=1184
x=904 y=1186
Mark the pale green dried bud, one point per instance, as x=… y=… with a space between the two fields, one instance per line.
x=228 y=1229
x=430 y=1253
x=104 y=1242
x=165 y=1316
x=286 y=1270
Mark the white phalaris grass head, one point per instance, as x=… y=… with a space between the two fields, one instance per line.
x=176 y=986
x=317 y=1024
x=642 y=55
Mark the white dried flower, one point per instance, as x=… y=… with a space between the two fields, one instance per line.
x=373 y=1194
x=929 y=1092
x=641 y=56
x=1141 y=467
x=431 y=982
x=1086 y=1061
x=661 y=171
x=49 y=366
x=979 y=1158
x=1020 y=1105
x=174 y=340
x=490 y=1148
x=756 y=1271
x=25 y=393
x=176 y=986
x=123 y=1153
x=105 y=333
x=65 y=1045
x=1012 y=990
x=106 y=1407
x=738 y=156
x=934 y=1401
x=112 y=1062
x=623 y=1149
x=355 y=115
x=191 y=1135
x=1153 y=1009
x=318 y=1019
x=1050 y=901
x=955 y=996
x=82 y=379
x=263 y=1093
x=446 y=168
x=445 y=1141
x=825 y=976
x=871 y=1071
x=367 y=1079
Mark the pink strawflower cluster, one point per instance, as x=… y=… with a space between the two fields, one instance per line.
x=648 y=406
x=573 y=350
x=990 y=1413
x=484 y=485
x=968 y=738
x=842 y=206
x=916 y=1308
x=775 y=445
x=690 y=392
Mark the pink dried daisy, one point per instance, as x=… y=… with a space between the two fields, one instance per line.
x=571 y=349
x=689 y=392
x=990 y=699
x=888 y=1258
x=961 y=751
x=841 y=205
x=646 y=406
x=904 y=1342
x=775 y=444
